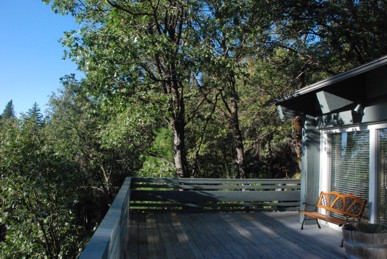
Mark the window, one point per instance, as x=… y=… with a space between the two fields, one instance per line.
x=354 y=161
x=350 y=163
x=382 y=177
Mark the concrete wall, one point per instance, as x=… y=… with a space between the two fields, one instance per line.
x=110 y=240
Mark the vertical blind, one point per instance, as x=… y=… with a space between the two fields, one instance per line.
x=350 y=163
x=382 y=177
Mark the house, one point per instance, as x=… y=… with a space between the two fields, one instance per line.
x=344 y=136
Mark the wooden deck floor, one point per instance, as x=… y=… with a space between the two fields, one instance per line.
x=234 y=235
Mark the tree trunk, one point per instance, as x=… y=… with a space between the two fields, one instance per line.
x=180 y=159
x=238 y=139
x=233 y=116
x=178 y=127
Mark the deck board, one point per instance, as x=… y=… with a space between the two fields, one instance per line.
x=230 y=235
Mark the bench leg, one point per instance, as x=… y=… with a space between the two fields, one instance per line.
x=342 y=242
x=318 y=224
x=302 y=225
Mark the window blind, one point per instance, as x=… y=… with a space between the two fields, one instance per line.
x=382 y=177
x=350 y=163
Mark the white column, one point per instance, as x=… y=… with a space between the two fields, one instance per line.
x=373 y=175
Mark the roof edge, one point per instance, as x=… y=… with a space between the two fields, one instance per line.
x=335 y=79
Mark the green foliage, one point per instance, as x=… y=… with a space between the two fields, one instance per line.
x=8 y=112
x=211 y=146
x=140 y=50
x=35 y=115
x=162 y=144
x=158 y=162
x=334 y=35
x=78 y=133
x=59 y=177
x=36 y=196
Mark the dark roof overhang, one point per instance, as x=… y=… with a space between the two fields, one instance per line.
x=342 y=92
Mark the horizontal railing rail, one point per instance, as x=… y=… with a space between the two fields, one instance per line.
x=211 y=195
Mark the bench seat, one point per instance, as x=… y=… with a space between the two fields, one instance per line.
x=317 y=215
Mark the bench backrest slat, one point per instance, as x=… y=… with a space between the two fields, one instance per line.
x=346 y=204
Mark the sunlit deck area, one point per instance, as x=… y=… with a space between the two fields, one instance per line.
x=229 y=235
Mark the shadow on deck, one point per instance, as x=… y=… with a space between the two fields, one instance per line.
x=229 y=235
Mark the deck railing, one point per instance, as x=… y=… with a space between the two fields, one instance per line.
x=110 y=240
x=186 y=195
x=211 y=195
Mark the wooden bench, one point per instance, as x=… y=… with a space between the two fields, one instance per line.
x=346 y=205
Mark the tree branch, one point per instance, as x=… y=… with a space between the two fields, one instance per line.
x=121 y=8
x=198 y=106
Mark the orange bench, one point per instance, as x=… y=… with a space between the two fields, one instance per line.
x=346 y=205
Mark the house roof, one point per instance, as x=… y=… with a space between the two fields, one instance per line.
x=335 y=93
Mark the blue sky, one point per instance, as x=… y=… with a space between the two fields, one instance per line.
x=31 y=56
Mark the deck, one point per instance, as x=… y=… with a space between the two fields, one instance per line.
x=229 y=235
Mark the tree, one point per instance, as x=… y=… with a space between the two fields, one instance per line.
x=333 y=36
x=182 y=57
x=272 y=147
x=35 y=115
x=159 y=51
x=36 y=195
x=58 y=178
x=140 y=49
x=72 y=132
x=102 y=147
x=236 y=31
x=9 y=111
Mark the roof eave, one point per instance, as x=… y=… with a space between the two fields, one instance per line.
x=335 y=79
